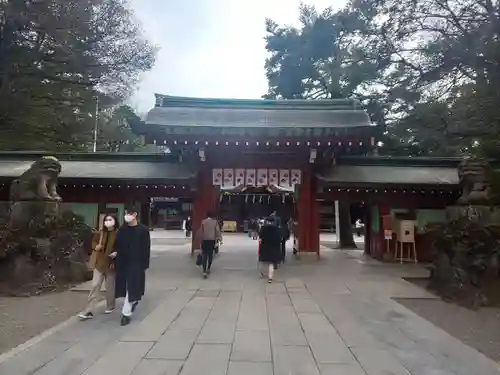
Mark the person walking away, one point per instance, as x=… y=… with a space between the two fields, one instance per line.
x=359 y=227
x=133 y=250
x=187 y=226
x=102 y=264
x=269 y=247
x=254 y=226
x=210 y=234
x=285 y=236
x=277 y=219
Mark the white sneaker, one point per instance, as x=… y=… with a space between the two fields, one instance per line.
x=109 y=311
x=85 y=316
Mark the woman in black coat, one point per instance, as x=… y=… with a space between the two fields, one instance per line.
x=133 y=249
x=269 y=247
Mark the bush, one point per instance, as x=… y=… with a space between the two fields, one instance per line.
x=466 y=258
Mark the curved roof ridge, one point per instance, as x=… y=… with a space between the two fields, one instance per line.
x=184 y=101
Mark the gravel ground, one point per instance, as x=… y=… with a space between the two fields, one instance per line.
x=478 y=329
x=23 y=318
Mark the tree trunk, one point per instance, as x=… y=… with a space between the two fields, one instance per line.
x=346 y=238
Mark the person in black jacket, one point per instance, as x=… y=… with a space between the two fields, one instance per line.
x=133 y=250
x=285 y=236
x=269 y=247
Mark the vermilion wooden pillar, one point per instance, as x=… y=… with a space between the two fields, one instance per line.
x=204 y=201
x=308 y=214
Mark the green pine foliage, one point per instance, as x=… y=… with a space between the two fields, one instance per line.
x=58 y=58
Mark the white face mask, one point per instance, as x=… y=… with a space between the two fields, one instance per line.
x=109 y=223
x=129 y=218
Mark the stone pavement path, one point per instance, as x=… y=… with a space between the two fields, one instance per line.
x=332 y=317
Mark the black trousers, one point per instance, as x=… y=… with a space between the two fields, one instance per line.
x=207 y=252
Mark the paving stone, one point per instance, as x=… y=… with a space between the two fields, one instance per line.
x=312 y=323
x=305 y=305
x=275 y=288
x=279 y=300
x=294 y=283
x=212 y=293
x=211 y=285
x=285 y=327
x=288 y=336
x=232 y=286
x=419 y=362
x=296 y=360
x=252 y=313
x=207 y=359
x=251 y=346
x=226 y=307
x=83 y=354
x=218 y=331
x=121 y=359
x=190 y=320
x=328 y=347
x=378 y=362
x=282 y=316
x=252 y=321
x=152 y=327
x=340 y=369
x=200 y=303
x=174 y=344
x=33 y=358
x=158 y=367
x=355 y=335
x=250 y=368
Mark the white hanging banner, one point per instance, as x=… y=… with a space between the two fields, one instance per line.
x=240 y=177
x=217 y=176
x=273 y=177
x=261 y=177
x=296 y=177
x=285 y=177
x=250 y=177
x=228 y=177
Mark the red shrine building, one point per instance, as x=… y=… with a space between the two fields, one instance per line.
x=247 y=158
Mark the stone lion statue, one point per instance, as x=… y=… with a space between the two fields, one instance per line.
x=474 y=182
x=38 y=183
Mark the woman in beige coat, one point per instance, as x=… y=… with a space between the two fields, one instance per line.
x=102 y=263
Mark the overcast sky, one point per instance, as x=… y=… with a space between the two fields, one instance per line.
x=210 y=48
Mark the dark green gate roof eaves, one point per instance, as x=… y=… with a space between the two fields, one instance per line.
x=167 y=101
x=367 y=175
x=153 y=171
x=404 y=161
x=257 y=118
x=90 y=156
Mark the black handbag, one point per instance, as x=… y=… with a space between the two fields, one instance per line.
x=199 y=259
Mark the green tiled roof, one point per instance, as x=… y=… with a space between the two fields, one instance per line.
x=363 y=175
x=303 y=104
x=134 y=168
x=194 y=112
